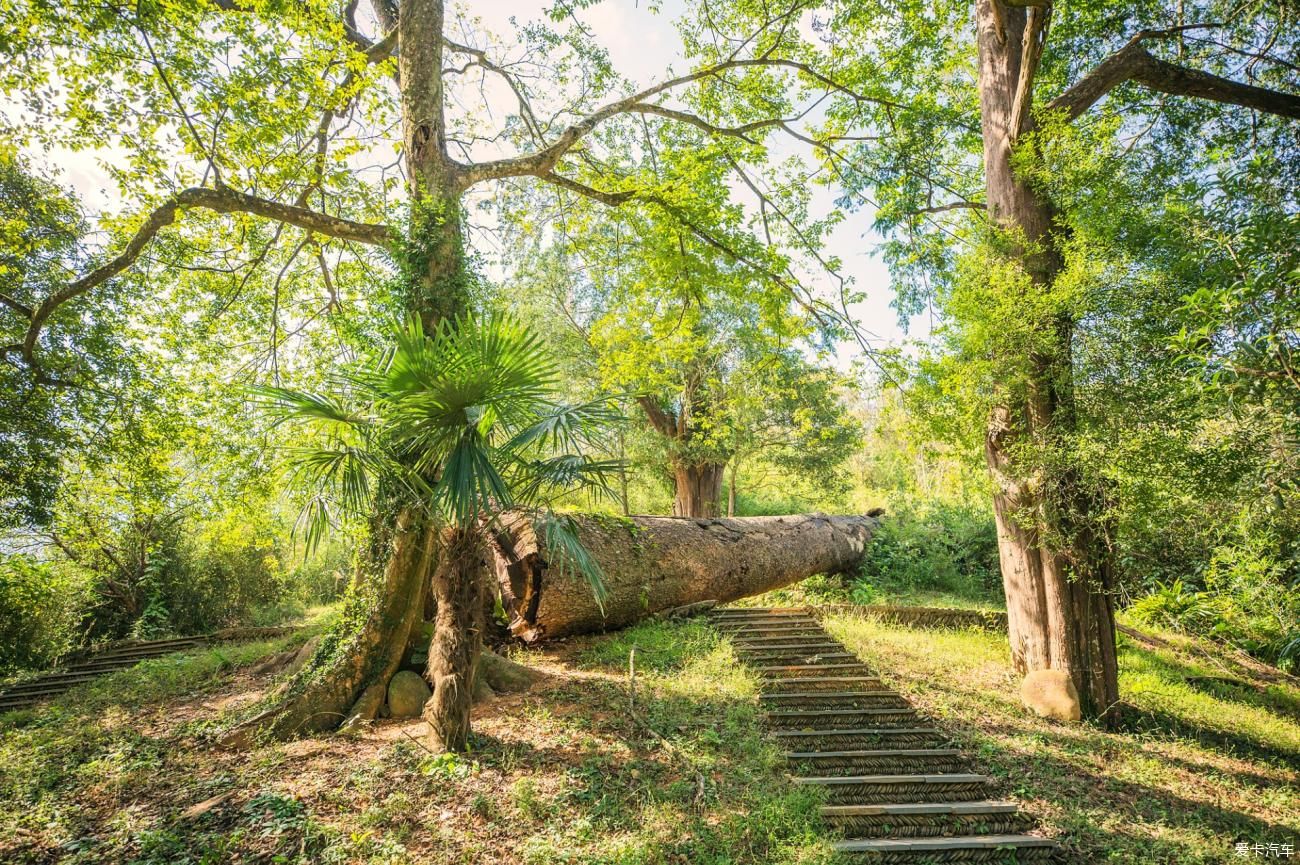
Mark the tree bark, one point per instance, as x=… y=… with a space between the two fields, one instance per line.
x=1056 y=575
x=458 y=586
x=652 y=564
x=347 y=678
x=698 y=489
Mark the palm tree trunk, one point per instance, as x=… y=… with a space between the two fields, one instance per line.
x=458 y=587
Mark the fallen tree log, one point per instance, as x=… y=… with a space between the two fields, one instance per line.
x=653 y=564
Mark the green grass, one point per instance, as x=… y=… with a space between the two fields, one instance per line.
x=822 y=589
x=567 y=773
x=1197 y=766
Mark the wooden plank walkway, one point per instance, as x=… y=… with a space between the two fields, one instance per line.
x=894 y=786
x=87 y=668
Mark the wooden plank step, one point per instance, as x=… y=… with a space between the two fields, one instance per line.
x=927 y=819
x=791 y=643
x=962 y=848
x=814 y=760
x=753 y=610
x=807 y=684
x=50 y=682
x=811 y=660
x=826 y=700
x=788 y=671
x=782 y=624
x=795 y=654
x=151 y=646
x=983 y=807
x=742 y=635
x=861 y=737
x=877 y=761
x=872 y=789
x=836 y=719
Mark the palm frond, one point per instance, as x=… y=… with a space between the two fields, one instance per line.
x=314 y=523
x=566 y=554
x=540 y=481
x=470 y=484
x=568 y=427
x=286 y=404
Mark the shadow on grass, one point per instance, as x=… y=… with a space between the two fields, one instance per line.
x=1092 y=805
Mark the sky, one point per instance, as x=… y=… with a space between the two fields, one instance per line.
x=644 y=47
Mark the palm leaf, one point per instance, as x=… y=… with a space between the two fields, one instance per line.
x=566 y=554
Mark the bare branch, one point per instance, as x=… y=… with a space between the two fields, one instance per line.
x=663 y=422
x=1134 y=63
x=944 y=208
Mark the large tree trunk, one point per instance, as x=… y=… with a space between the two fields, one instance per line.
x=349 y=681
x=347 y=678
x=698 y=489
x=457 y=639
x=652 y=564
x=1055 y=571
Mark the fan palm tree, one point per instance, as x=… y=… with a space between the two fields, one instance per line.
x=456 y=427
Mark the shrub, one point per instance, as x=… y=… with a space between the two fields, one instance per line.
x=41 y=605
x=1246 y=599
x=945 y=548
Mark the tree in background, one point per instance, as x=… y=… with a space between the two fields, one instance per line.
x=59 y=407
x=273 y=106
x=952 y=107
x=723 y=362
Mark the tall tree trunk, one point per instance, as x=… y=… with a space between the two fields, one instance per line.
x=350 y=680
x=1056 y=573
x=458 y=587
x=698 y=489
x=439 y=289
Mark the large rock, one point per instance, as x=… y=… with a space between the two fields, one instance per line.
x=1051 y=693
x=504 y=675
x=407 y=694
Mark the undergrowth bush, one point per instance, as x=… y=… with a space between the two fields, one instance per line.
x=41 y=606
x=945 y=548
x=1247 y=597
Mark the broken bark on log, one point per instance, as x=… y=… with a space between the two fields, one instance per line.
x=653 y=564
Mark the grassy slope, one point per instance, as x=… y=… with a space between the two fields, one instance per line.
x=562 y=774
x=566 y=774
x=1199 y=766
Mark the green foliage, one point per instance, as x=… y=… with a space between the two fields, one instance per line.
x=1245 y=597
x=941 y=549
x=41 y=608
x=729 y=366
x=460 y=424
x=57 y=408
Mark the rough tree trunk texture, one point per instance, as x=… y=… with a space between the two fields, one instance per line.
x=652 y=564
x=348 y=678
x=698 y=489
x=1057 y=578
x=458 y=588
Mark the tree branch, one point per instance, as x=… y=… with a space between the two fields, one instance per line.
x=219 y=200
x=663 y=422
x=542 y=163
x=1134 y=63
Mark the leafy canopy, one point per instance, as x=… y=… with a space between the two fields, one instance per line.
x=460 y=423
